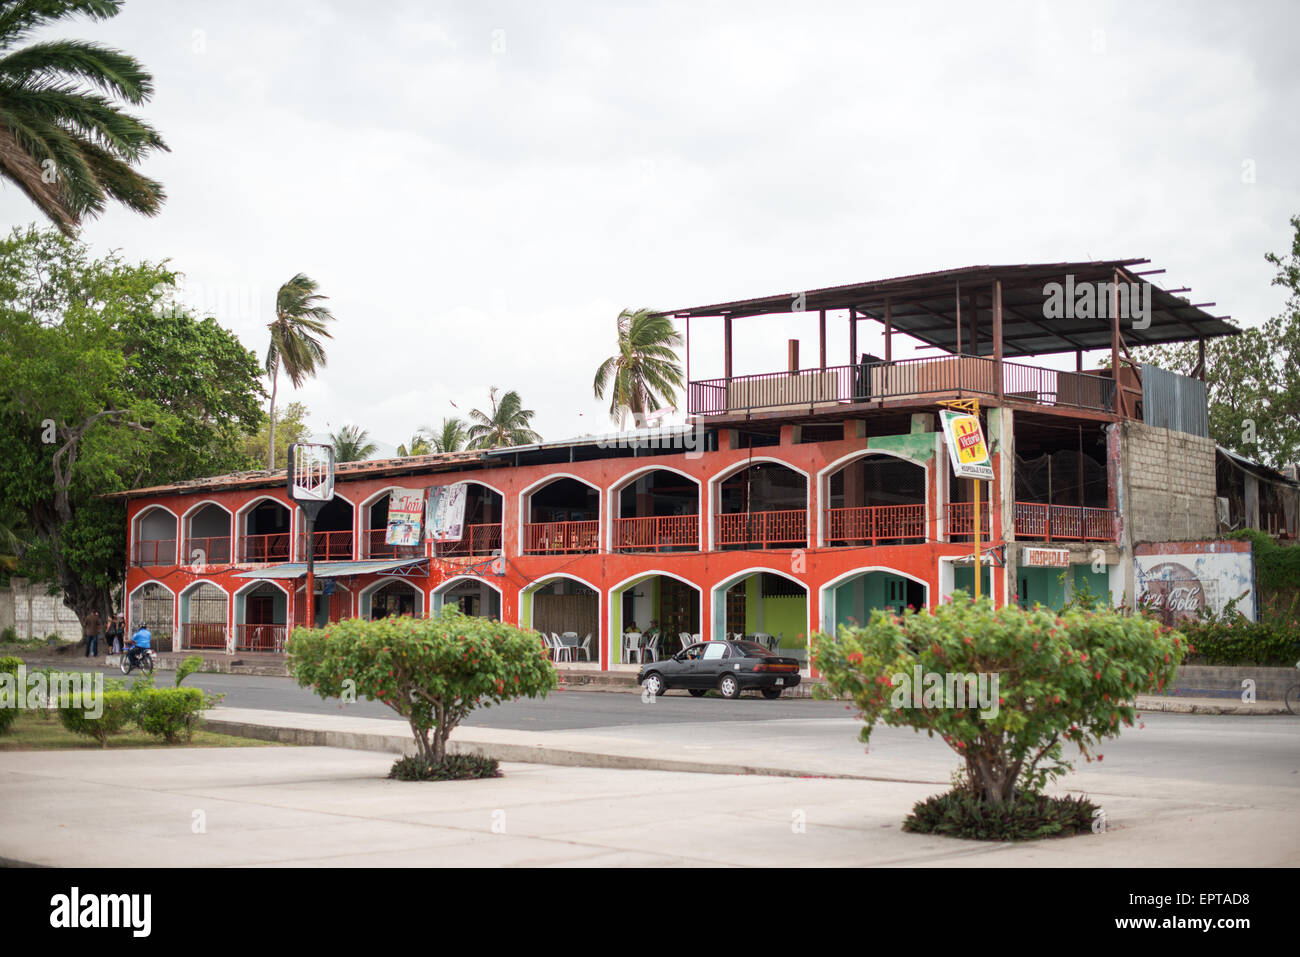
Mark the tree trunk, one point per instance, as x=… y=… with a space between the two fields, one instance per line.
x=275 y=383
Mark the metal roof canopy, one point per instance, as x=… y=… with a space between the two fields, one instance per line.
x=334 y=569
x=925 y=306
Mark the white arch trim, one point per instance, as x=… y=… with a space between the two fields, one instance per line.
x=719 y=591
x=612 y=499
x=824 y=478
x=131 y=617
x=716 y=480
x=826 y=594
x=521 y=516
x=526 y=594
x=437 y=593
x=365 y=593
x=637 y=579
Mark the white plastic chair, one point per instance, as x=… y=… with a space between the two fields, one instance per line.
x=558 y=648
x=585 y=647
x=652 y=649
x=631 y=645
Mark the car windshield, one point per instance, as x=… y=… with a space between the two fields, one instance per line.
x=751 y=649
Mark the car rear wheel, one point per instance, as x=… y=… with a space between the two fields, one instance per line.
x=699 y=692
x=771 y=693
x=729 y=686
x=654 y=684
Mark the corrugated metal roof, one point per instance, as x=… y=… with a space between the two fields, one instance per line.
x=329 y=569
x=1176 y=402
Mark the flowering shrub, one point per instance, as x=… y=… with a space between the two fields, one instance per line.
x=1061 y=678
x=431 y=671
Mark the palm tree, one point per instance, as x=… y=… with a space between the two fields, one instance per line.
x=295 y=340
x=65 y=145
x=419 y=445
x=450 y=438
x=508 y=424
x=645 y=374
x=352 y=444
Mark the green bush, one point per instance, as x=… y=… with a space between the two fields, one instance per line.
x=172 y=714
x=9 y=666
x=1242 y=642
x=454 y=767
x=1061 y=678
x=9 y=636
x=961 y=813
x=119 y=708
x=187 y=667
x=431 y=671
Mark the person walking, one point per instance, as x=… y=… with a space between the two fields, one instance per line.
x=91 y=629
x=114 y=635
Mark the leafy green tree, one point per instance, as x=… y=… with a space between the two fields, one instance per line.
x=64 y=141
x=418 y=445
x=450 y=437
x=432 y=671
x=1253 y=379
x=1067 y=678
x=509 y=423
x=645 y=373
x=290 y=427
x=352 y=444
x=300 y=324
x=104 y=389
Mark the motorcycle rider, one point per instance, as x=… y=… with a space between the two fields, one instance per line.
x=138 y=642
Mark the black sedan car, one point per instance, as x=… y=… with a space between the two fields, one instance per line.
x=729 y=666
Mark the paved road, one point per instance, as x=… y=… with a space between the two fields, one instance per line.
x=1248 y=750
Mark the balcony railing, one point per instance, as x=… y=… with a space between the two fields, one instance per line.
x=809 y=389
x=782 y=529
x=961 y=520
x=376 y=547
x=873 y=524
x=260 y=637
x=211 y=550
x=1064 y=523
x=659 y=533
x=154 y=552
x=329 y=546
x=264 y=548
x=203 y=636
x=477 y=541
x=560 y=538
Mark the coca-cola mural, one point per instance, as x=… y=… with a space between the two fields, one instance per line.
x=1183 y=579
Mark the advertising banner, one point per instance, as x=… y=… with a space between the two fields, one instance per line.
x=966 y=446
x=405 y=513
x=1181 y=578
x=445 y=513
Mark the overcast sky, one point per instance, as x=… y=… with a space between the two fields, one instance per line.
x=480 y=187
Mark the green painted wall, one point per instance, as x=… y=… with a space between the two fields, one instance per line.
x=963 y=577
x=786 y=616
x=918 y=446
x=1044 y=587
x=1098 y=582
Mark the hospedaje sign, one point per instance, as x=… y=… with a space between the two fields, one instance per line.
x=405 y=515
x=967 y=449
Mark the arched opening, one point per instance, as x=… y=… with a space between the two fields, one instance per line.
x=204 y=613
x=207 y=536
x=472 y=595
x=764 y=505
x=153 y=606
x=481 y=532
x=261 y=618
x=850 y=599
x=766 y=607
x=391 y=599
x=563 y=517
x=658 y=511
x=565 y=607
x=875 y=500
x=655 y=615
x=332 y=533
x=333 y=602
x=154 y=537
x=265 y=532
x=374 y=540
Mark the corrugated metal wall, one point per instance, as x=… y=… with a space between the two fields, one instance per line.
x=1175 y=402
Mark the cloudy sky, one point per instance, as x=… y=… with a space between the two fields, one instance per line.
x=480 y=187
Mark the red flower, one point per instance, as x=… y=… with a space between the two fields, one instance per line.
x=856 y=657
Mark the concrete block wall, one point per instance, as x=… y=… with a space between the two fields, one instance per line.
x=27 y=607
x=1171 y=484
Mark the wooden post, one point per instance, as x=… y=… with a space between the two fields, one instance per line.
x=726 y=347
x=792 y=348
x=959 y=319
x=821 y=336
x=1114 y=346
x=1200 y=357
x=889 y=333
x=853 y=336
x=997 y=336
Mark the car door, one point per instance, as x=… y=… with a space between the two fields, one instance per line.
x=677 y=671
x=706 y=671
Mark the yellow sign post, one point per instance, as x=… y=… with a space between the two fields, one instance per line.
x=970 y=458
